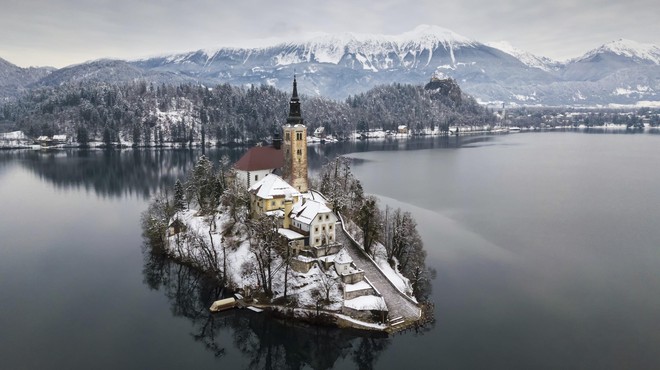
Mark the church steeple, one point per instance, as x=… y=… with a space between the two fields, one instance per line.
x=295 y=144
x=295 y=115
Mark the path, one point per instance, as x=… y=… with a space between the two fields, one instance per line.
x=397 y=304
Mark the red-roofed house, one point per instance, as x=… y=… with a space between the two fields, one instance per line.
x=257 y=163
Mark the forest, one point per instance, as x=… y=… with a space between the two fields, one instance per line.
x=141 y=113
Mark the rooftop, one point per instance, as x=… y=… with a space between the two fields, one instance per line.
x=272 y=186
x=260 y=158
x=307 y=211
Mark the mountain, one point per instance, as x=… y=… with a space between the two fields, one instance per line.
x=14 y=79
x=339 y=65
x=106 y=71
x=527 y=58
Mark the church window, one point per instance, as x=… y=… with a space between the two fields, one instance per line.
x=298 y=135
x=299 y=151
x=287 y=136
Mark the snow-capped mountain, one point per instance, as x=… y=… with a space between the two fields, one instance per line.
x=639 y=52
x=527 y=58
x=339 y=65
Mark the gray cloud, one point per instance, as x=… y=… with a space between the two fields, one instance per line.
x=63 y=32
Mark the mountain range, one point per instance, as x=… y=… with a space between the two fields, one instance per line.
x=339 y=65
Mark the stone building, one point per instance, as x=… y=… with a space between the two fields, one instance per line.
x=295 y=144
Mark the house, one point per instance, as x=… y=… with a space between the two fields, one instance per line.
x=402 y=129
x=319 y=132
x=268 y=196
x=314 y=219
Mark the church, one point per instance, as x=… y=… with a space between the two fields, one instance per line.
x=277 y=181
x=289 y=161
x=276 y=178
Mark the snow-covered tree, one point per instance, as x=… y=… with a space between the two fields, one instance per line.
x=179 y=196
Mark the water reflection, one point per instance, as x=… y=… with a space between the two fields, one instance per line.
x=265 y=342
x=143 y=172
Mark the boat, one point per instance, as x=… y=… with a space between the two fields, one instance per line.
x=223 y=304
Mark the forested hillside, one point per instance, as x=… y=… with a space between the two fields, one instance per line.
x=140 y=112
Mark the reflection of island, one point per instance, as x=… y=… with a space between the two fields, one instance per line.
x=265 y=342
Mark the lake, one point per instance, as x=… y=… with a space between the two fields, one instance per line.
x=546 y=247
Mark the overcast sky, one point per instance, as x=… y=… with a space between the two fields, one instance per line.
x=63 y=32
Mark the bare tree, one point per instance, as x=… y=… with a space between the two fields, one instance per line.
x=328 y=280
x=264 y=245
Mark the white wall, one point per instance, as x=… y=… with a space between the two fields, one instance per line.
x=244 y=175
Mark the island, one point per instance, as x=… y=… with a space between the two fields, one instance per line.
x=312 y=253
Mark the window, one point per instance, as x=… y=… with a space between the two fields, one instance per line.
x=299 y=151
x=298 y=135
x=323 y=227
x=287 y=136
x=316 y=229
x=316 y=240
x=327 y=217
x=256 y=177
x=272 y=203
x=330 y=227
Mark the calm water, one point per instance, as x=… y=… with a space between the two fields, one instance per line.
x=547 y=249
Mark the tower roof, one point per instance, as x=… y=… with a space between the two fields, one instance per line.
x=294 y=96
x=295 y=114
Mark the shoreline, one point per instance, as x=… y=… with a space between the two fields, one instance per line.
x=378 y=136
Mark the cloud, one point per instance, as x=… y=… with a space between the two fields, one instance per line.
x=61 y=32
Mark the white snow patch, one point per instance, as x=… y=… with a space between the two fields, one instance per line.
x=367 y=302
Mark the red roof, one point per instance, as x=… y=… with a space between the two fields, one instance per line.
x=260 y=158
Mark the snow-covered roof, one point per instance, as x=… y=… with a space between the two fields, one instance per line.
x=14 y=135
x=277 y=213
x=366 y=302
x=273 y=186
x=290 y=234
x=343 y=257
x=315 y=195
x=306 y=212
x=361 y=285
x=59 y=137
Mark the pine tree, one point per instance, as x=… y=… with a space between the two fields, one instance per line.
x=179 y=196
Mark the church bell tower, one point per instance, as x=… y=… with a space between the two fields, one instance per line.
x=295 y=144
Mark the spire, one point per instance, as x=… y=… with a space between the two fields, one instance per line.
x=294 y=96
x=295 y=115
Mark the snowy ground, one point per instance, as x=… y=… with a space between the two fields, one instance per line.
x=307 y=288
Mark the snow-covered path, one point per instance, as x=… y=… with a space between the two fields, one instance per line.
x=397 y=303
